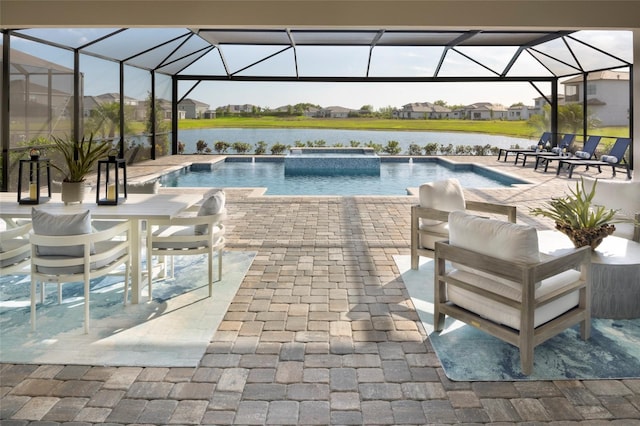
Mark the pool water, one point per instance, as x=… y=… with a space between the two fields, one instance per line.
x=394 y=178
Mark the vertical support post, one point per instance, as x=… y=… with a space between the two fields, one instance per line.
x=4 y=110
x=174 y=115
x=554 y=112
x=121 y=144
x=152 y=111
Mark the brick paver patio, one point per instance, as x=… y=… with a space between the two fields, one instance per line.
x=321 y=331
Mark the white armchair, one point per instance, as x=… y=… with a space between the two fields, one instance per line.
x=64 y=249
x=429 y=219
x=15 y=251
x=619 y=195
x=491 y=275
x=190 y=235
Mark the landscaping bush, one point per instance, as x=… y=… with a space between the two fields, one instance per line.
x=431 y=148
x=278 y=148
x=261 y=148
x=392 y=148
x=414 y=149
x=221 y=147
x=241 y=147
x=201 y=146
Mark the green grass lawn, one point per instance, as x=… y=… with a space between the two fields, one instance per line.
x=510 y=128
x=495 y=127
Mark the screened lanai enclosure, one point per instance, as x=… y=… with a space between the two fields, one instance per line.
x=125 y=85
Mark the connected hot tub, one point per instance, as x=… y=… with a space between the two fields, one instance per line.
x=332 y=161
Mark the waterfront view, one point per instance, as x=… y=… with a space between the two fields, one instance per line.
x=331 y=137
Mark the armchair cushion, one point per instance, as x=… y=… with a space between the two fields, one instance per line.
x=60 y=225
x=504 y=240
x=507 y=315
x=213 y=204
x=446 y=195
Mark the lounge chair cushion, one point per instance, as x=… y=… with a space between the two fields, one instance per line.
x=65 y=224
x=609 y=159
x=504 y=240
x=582 y=154
x=213 y=204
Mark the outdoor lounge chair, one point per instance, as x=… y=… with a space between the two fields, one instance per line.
x=546 y=137
x=615 y=159
x=491 y=275
x=563 y=146
x=588 y=152
x=429 y=219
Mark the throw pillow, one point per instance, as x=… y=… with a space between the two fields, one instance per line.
x=213 y=204
x=583 y=155
x=63 y=224
x=609 y=158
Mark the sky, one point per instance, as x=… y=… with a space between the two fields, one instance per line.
x=102 y=76
x=355 y=95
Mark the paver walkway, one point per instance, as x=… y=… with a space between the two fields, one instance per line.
x=321 y=331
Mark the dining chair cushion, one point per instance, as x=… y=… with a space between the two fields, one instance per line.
x=504 y=240
x=181 y=231
x=213 y=204
x=61 y=225
x=10 y=245
x=99 y=247
x=443 y=195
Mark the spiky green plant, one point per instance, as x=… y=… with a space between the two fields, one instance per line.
x=576 y=210
x=80 y=156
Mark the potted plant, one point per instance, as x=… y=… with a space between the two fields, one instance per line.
x=80 y=158
x=586 y=224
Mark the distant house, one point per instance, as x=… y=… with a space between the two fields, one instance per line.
x=422 y=110
x=209 y=114
x=483 y=111
x=192 y=108
x=334 y=112
x=237 y=109
x=92 y=103
x=607 y=96
x=540 y=102
x=520 y=112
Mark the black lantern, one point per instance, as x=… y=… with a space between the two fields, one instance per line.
x=29 y=178
x=110 y=180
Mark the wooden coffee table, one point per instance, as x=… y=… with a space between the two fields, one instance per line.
x=615 y=273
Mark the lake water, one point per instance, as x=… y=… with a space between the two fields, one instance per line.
x=344 y=137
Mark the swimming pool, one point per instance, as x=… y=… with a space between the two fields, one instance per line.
x=394 y=179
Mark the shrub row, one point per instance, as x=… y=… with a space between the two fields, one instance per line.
x=391 y=148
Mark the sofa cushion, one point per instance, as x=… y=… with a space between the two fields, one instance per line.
x=617 y=195
x=61 y=225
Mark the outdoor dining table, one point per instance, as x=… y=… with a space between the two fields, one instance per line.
x=137 y=209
